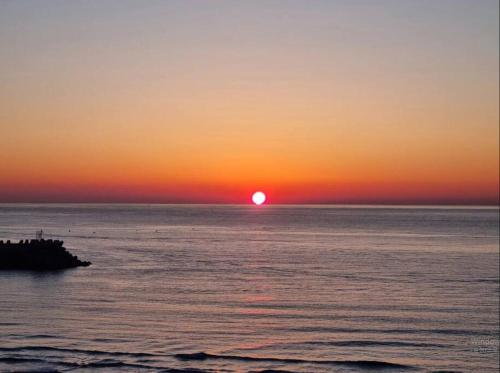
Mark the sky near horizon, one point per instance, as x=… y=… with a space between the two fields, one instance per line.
x=206 y=101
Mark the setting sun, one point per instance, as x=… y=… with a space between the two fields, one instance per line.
x=258 y=198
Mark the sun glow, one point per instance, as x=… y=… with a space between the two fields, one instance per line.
x=258 y=198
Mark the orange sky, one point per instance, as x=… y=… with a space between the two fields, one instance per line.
x=336 y=102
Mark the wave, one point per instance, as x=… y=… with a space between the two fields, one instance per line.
x=111 y=363
x=36 y=336
x=105 y=363
x=75 y=350
x=467 y=332
x=20 y=360
x=367 y=343
x=32 y=360
x=187 y=370
x=367 y=364
x=107 y=360
x=271 y=371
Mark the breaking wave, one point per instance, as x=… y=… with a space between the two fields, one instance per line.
x=367 y=364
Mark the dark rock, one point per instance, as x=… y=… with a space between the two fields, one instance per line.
x=37 y=255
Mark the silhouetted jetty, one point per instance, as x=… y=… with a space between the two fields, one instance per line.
x=37 y=255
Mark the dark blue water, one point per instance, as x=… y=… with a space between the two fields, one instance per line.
x=240 y=288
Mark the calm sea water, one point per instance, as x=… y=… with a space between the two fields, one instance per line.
x=240 y=288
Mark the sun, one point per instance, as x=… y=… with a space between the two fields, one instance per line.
x=258 y=198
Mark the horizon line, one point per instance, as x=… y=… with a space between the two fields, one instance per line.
x=344 y=204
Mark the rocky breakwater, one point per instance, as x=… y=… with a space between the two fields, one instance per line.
x=37 y=255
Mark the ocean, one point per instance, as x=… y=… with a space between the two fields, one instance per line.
x=223 y=288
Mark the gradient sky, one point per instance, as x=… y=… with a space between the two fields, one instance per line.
x=206 y=101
